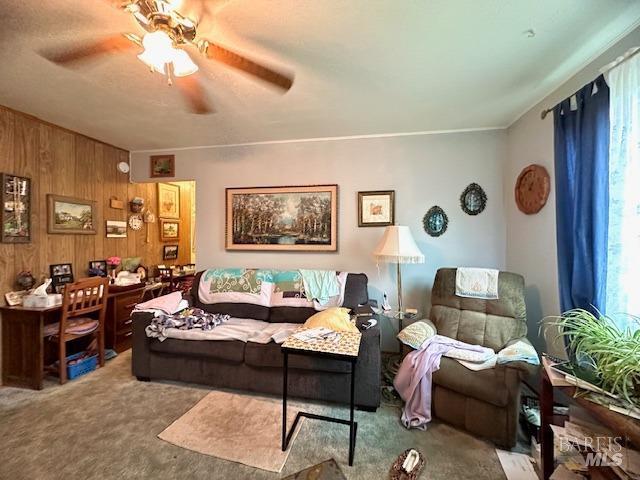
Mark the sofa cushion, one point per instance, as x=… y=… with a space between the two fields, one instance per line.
x=489 y=385
x=231 y=351
x=355 y=291
x=270 y=355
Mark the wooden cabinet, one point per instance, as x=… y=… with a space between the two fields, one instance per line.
x=118 y=327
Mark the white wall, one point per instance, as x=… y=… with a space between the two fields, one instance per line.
x=424 y=170
x=531 y=239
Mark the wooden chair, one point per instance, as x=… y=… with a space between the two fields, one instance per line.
x=166 y=278
x=82 y=298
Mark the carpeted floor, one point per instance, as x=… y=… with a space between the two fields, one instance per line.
x=105 y=426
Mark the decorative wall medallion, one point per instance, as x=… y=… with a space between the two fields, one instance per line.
x=473 y=199
x=435 y=221
x=135 y=222
x=532 y=189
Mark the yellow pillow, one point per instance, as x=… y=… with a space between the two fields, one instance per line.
x=335 y=318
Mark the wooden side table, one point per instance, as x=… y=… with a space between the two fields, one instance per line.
x=346 y=349
x=23 y=344
x=622 y=425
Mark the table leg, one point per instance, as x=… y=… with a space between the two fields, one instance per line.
x=285 y=374
x=352 y=432
x=546 y=414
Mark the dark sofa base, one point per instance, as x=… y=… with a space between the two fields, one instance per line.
x=305 y=383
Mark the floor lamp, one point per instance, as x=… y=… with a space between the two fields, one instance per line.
x=398 y=246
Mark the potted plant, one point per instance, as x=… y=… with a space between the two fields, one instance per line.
x=611 y=352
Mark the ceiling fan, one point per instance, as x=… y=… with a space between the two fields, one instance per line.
x=168 y=35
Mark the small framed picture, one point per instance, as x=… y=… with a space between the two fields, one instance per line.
x=61 y=274
x=168 y=201
x=116 y=229
x=162 y=166
x=169 y=230
x=170 y=252
x=98 y=268
x=376 y=209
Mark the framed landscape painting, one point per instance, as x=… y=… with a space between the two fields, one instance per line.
x=162 y=166
x=70 y=215
x=282 y=218
x=16 y=209
x=169 y=230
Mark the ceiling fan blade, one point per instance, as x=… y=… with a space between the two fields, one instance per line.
x=114 y=44
x=195 y=95
x=232 y=59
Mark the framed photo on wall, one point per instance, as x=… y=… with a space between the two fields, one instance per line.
x=170 y=252
x=71 y=215
x=162 y=166
x=168 y=201
x=116 y=229
x=376 y=208
x=169 y=230
x=16 y=209
x=301 y=218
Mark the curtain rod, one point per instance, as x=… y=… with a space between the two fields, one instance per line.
x=608 y=67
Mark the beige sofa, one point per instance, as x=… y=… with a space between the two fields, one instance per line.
x=485 y=403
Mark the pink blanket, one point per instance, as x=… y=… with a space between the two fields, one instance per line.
x=413 y=380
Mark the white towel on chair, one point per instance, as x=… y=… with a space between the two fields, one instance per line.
x=477 y=283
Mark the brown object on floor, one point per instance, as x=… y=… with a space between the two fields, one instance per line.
x=240 y=428
x=328 y=470
x=398 y=473
x=84 y=297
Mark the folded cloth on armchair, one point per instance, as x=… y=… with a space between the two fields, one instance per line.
x=477 y=283
x=518 y=351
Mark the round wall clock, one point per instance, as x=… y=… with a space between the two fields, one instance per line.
x=473 y=199
x=532 y=189
x=435 y=221
x=135 y=222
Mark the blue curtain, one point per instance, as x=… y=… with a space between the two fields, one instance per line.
x=582 y=196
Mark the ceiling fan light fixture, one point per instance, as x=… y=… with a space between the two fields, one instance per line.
x=182 y=63
x=158 y=50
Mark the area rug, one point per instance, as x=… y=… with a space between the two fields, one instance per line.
x=328 y=470
x=240 y=428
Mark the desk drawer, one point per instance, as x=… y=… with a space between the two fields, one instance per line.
x=124 y=306
x=123 y=340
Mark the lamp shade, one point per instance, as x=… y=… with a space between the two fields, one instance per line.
x=398 y=246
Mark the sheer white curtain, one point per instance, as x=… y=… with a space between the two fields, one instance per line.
x=623 y=272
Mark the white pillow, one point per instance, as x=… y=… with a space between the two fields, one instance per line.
x=469 y=355
x=417 y=333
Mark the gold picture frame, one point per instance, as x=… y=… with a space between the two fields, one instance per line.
x=69 y=215
x=168 y=201
x=295 y=218
x=169 y=230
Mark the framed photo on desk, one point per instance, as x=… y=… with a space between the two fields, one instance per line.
x=61 y=274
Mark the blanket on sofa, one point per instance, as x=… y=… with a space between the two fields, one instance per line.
x=228 y=328
x=188 y=319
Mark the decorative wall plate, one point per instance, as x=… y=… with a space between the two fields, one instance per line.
x=435 y=221
x=473 y=199
x=135 y=222
x=532 y=189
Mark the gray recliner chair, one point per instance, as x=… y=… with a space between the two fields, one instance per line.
x=486 y=402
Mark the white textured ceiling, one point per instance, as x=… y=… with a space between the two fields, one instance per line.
x=362 y=66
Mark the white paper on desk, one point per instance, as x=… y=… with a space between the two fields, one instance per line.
x=516 y=466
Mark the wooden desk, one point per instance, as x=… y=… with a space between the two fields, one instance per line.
x=619 y=424
x=23 y=345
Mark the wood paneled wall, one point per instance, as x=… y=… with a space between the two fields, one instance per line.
x=66 y=163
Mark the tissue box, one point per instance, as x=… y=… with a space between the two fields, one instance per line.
x=40 y=301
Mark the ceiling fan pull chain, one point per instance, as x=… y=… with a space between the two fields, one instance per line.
x=169 y=68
